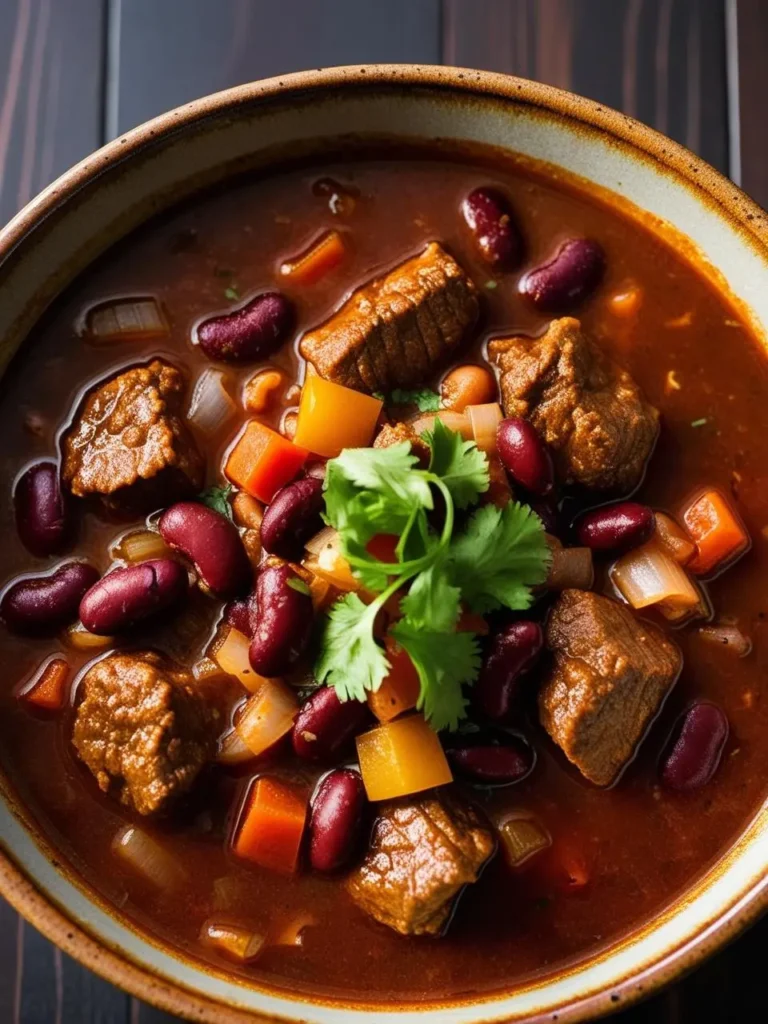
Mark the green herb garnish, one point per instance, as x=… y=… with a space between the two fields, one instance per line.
x=700 y=423
x=494 y=560
x=298 y=584
x=232 y=292
x=217 y=498
x=425 y=400
x=490 y=285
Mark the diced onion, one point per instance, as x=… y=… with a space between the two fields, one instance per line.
x=456 y=421
x=212 y=405
x=485 y=420
x=267 y=716
x=570 y=568
x=648 y=576
x=236 y=942
x=227 y=892
x=522 y=838
x=125 y=320
x=77 y=636
x=327 y=562
x=673 y=539
x=232 y=657
x=148 y=858
x=325 y=538
x=141 y=545
x=232 y=750
x=291 y=932
x=729 y=637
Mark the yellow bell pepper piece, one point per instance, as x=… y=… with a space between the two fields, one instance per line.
x=332 y=417
x=401 y=757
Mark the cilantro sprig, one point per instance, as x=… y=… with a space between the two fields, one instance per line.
x=494 y=560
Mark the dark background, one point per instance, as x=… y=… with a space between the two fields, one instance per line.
x=76 y=73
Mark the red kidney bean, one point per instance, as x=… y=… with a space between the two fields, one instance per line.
x=43 y=604
x=325 y=724
x=255 y=331
x=492 y=764
x=282 y=622
x=512 y=653
x=212 y=542
x=41 y=513
x=567 y=278
x=498 y=238
x=525 y=456
x=238 y=615
x=695 y=747
x=617 y=528
x=127 y=596
x=336 y=820
x=292 y=517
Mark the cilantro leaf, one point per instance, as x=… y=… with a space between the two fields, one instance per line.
x=444 y=661
x=499 y=557
x=462 y=467
x=432 y=602
x=425 y=399
x=217 y=498
x=350 y=660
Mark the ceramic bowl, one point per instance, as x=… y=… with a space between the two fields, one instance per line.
x=161 y=162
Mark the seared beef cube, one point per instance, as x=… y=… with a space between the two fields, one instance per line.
x=423 y=851
x=143 y=729
x=130 y=445
x=395 y=331
x=588 y=410
x=396 y=433
x=610 y=675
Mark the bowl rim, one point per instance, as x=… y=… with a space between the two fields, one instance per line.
x=726 y=198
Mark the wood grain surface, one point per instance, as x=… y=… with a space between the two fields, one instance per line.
x=75 y=73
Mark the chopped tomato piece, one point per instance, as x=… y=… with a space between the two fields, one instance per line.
x=332 y=417
x=383 y=546
x=320 y=258
x=717 y=530
x=399 y=691
x=471 y=622
x=263 y=461
x=271 y=828
x=49 y=691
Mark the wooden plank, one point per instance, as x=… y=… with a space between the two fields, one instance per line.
x=168 y=53
x=749 y=56
x=662 y=61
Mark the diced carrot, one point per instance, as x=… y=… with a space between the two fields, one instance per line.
x=716 y=529
x=401 y=757
x=49 y=690
x=263 y=461
x=272 y=826
x=332 y=417
x=325 y=253
x=399 y=691
x=383 y=546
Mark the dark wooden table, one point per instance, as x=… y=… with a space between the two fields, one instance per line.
x=75 y=73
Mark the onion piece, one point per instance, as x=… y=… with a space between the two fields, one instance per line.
x=327 y=537
x=267 y=716
x=673 y=539
x=235 y=941
x=729 y=637
x=521 y=839
x=456 y=421
x=232 y=750
x=485 y=420
x=140 y=546
x=327 y=562
x=135 y=319
x=77 y=636
x=291 y=932
x=148 y=858
x=231 y=655
x=648 y=576
x=212 y=405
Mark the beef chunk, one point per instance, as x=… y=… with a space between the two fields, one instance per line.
x=610 y=675
x=142 y=729
x=395 y=331
x=588 y=410
x=423 y=851
x=129 y=444
x=396 y=433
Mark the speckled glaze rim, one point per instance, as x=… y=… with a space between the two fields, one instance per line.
x=645 y=144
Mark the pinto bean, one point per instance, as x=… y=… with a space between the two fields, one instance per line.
x=131 y=595
x=325 y=724
x=281 y=620
x=512 y=653
x=489 y=218
x=467 y=385
x=41 y=512
x=493 y=764
x=293 y=516
x=336 y=820
x=565 y=280
x=525 y=456
x=255 y=331
x=212 y=542
x=43 y=604
x=618 y=528
x=695 y=747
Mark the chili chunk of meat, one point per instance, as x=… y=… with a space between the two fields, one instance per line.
x=610 y=675
x=143 y=729
x=395 y=331
x=423 y=851
x=590 y=411
x=130 y=445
